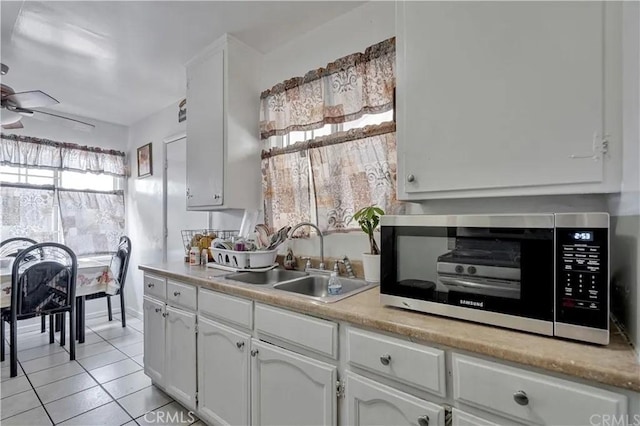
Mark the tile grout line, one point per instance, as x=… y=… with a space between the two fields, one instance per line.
x=84 y=370
x=36 y=394
x=104 y=390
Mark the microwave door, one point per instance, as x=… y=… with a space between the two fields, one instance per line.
x=484 y=287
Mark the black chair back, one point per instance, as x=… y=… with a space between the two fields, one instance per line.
x=43 y=280
x=120 y=261
x=12 y=246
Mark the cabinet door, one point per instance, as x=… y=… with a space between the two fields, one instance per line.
x=223 y=373
x=180 y=354
x=371 y=403
x=290 y=389
x=498 y=95
x=205 y=132
x=154 y=339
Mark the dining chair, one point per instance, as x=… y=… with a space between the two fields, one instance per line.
x=43 y=282
x=10 y=248
x=119 y=265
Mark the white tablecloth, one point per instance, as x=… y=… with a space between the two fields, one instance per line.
x=93 y=277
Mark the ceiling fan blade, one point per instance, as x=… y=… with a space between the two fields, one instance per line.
x=31 y=99
x=66 y=121
x=16 y=125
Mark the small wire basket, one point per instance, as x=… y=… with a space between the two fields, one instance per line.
x=189 y=235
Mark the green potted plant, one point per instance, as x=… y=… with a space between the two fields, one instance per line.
x=369 y=218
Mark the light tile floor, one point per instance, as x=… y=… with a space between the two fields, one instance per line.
x=105 y=385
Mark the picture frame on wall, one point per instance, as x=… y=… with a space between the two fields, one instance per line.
x=145 y=161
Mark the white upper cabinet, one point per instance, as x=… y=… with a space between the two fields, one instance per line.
x=507 y=98
x=223 y=147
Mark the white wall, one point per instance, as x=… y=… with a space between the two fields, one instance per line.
x=625 y=207
x=144 y=200
x=104 y=135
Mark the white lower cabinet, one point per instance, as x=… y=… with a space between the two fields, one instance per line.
x=180 y=355
x=154 y=339
x=371 y=403
x=223 y=373
x=291 y=389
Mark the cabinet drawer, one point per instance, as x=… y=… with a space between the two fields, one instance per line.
x=530 y=396
x=310 y=333
x=155 y=286
x=228 y=308
x=410 y=363
x=460 y=418
x=182 y=295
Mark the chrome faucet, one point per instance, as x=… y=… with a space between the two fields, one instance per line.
x=301 y=224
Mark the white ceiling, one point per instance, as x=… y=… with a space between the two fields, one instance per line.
x=121 y=61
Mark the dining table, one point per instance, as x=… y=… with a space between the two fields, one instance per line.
x=93 y=276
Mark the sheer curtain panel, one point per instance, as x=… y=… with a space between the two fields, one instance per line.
x=92 y=222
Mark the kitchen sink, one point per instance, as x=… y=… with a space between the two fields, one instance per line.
x=315 y=286
x=271 y=277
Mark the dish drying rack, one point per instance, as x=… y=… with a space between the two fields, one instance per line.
x=188 y=234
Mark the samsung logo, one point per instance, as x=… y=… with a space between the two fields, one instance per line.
x=472 y=303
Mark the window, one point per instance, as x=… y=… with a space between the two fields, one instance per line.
x=61 y=192
x=348 y=160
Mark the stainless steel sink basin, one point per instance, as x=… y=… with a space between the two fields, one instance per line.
x=315 y=286
x=271 y=277
x=312 y=286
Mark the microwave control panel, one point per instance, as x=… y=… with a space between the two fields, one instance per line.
x=582 y=277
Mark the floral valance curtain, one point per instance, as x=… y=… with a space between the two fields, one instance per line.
x=33 y=152
x=361 y=83
x=27 y=211
x=330 y=178
x=92 y=222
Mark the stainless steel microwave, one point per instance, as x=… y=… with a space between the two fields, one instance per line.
x=542 y=273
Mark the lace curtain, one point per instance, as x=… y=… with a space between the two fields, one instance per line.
x=33 y=152
x=27 y=212
x=285 y=185
x=354 y=174
x=92 y=222
x=328 y=179
x=361 y=83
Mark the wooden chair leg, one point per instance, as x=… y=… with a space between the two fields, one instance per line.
x=51 y=329
x=2 y=337
x=43 y=325
x=122 y=310
x=109 y=308
x=63 y=336
x=72 y=334
x=14 y=348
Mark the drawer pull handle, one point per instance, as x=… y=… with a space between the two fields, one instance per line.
x=240 y=345
x=150 y=285
x=521 y=397
x=385 y=359
x=176 y=293
x=254 y=352
x=423 y=420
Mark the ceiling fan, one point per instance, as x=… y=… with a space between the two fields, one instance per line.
x=14 y=106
